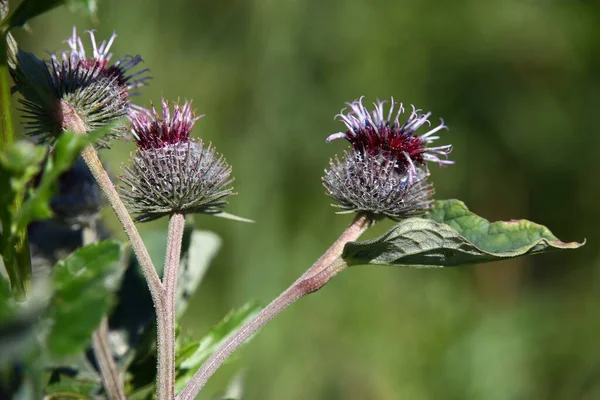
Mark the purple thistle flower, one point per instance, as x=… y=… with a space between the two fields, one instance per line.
x=73 y=88
x=386 y=172
x=99 y=61
x=375 y=133
x=172 y=172
x=151 y=130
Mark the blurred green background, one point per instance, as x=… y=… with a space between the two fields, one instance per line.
x=517 y=81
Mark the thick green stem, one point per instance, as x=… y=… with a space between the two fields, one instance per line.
x=325 y=268
x=165 y=379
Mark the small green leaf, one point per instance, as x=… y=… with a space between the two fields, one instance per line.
x=73 y=386
x=189 y=361
x=84 y=283
x=452 y=235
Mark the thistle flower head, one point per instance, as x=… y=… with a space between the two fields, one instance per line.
x=375 y=184
x=171 y=172
x=76 y=91
x=379 y=132
x=386 y=171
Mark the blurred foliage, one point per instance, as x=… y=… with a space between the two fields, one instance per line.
x=517 y=83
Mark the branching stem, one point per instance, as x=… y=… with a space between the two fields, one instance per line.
x=325 y=268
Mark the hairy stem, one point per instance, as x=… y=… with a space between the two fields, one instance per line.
x=95 y=165
x=165 y=379
x=111 y=379
x=325 y=268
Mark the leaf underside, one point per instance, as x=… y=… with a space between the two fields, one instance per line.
x=451 y=235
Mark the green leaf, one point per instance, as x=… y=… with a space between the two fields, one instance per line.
x=190 y=357
x=452 y=235
x=29 y=9
x=37 y=207
x=19 y=163
x=86 y=388
x=203 y=247
x=84 y=283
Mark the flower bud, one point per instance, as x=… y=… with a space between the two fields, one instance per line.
x=171 y=172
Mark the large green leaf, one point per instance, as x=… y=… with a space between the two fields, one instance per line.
x=84 y=283
x=452 y=235
x=191 y=356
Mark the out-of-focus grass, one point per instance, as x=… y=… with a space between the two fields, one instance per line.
x=518 y=84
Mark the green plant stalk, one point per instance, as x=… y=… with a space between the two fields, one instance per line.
x=7 y=134
x=165 y=378
x=17 y=257
x=325 y=268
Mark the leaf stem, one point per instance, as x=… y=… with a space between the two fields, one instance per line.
x=165 y=379
x=325 y=268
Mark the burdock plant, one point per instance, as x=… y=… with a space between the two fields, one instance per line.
x=71 y=103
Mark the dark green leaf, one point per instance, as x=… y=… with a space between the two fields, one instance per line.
x=452 y=235
x=191 y=357
x=84 y=283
